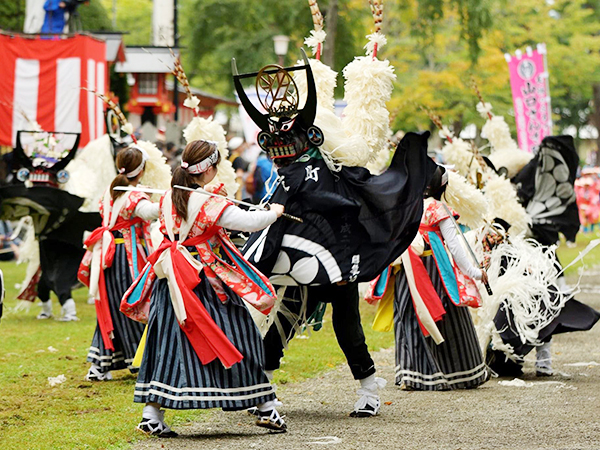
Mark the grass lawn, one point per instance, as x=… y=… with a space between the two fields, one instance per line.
x=79 y=414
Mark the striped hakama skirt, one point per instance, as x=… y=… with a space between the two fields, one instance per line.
x=457 y=363
x=127 y=332
x=171 y=373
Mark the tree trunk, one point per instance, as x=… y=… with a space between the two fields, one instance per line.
x=595 y=116
x=331 y=19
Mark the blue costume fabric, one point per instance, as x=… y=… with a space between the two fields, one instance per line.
x=54 y=22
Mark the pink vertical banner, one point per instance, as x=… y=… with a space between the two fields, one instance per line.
x=531 y=96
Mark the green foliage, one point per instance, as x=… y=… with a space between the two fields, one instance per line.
x=439 y=77
x=214 y=34
x=12 y=15
x=94 y=17
x=133 y=17
x=474 y=18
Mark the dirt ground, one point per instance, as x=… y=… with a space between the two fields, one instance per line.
x=560 y=412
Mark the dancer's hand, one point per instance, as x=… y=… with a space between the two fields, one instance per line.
x=276 y=208
x=484 y=277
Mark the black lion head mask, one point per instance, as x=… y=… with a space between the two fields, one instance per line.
x=286 y=131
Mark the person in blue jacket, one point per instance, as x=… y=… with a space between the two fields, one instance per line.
x=54 y=22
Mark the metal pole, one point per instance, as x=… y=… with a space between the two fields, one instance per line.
x=175 y=44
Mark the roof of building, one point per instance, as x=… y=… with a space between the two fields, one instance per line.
x=147 y=59
x=115 y=48
x=203 y=95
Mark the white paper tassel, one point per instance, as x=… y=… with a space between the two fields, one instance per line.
x=503 y=203
x=338 y=145
x=505 y=151
x=91 y=172
x=484 y=109
x=375 y=38
x=157 y=173
x=325 y=83
x=458 y=153
x=368 y=87
x=466 y=200
x=513 y=159
x=525 y=286
x=381 y=162
x=209 y=130
x=315 y=38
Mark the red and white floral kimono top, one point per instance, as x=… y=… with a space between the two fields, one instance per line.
x=173 y=261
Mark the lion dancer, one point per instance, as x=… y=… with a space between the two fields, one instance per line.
x=354 y=223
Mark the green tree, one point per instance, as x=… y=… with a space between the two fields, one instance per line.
x=134 y=17
x=214 y=31
x=94 y=17
x=12 y=15
x=440 y=79
x=474 y=18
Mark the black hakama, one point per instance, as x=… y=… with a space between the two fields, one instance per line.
x=457 y=363
x=171 y=373
x=127 y=332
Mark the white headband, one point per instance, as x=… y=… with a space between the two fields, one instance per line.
x=203 y=165
x=135 y=172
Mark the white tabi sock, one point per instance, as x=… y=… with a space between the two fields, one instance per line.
x=267 y=406
x=367 y=382
x=152 y=412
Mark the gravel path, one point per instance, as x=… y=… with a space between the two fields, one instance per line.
x=561 y=412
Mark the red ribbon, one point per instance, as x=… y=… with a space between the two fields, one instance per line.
x=430 y=297
x=207 y=339
x=105 y=322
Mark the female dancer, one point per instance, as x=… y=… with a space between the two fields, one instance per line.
x=436 y=343
x=116 y=252
x=203 y=349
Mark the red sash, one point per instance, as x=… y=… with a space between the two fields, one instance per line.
x=207 y=339
x=105 y=322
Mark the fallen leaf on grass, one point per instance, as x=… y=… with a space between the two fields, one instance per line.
x=53 y=381
x=387 y=403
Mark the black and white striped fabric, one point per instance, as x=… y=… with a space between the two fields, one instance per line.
x=127 y=332
x=457 y=363
x=171 y=373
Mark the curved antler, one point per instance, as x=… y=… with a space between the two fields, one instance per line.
x=257 y=117
x=309 y=112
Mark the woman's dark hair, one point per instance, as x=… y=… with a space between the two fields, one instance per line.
x=194 y=152
x=436 y=186
x=128 y=160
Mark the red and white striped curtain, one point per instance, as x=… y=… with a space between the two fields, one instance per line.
x=42 y=79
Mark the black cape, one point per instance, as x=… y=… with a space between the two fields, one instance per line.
x=355 y=223
x=545 y=187
x=59 y=227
